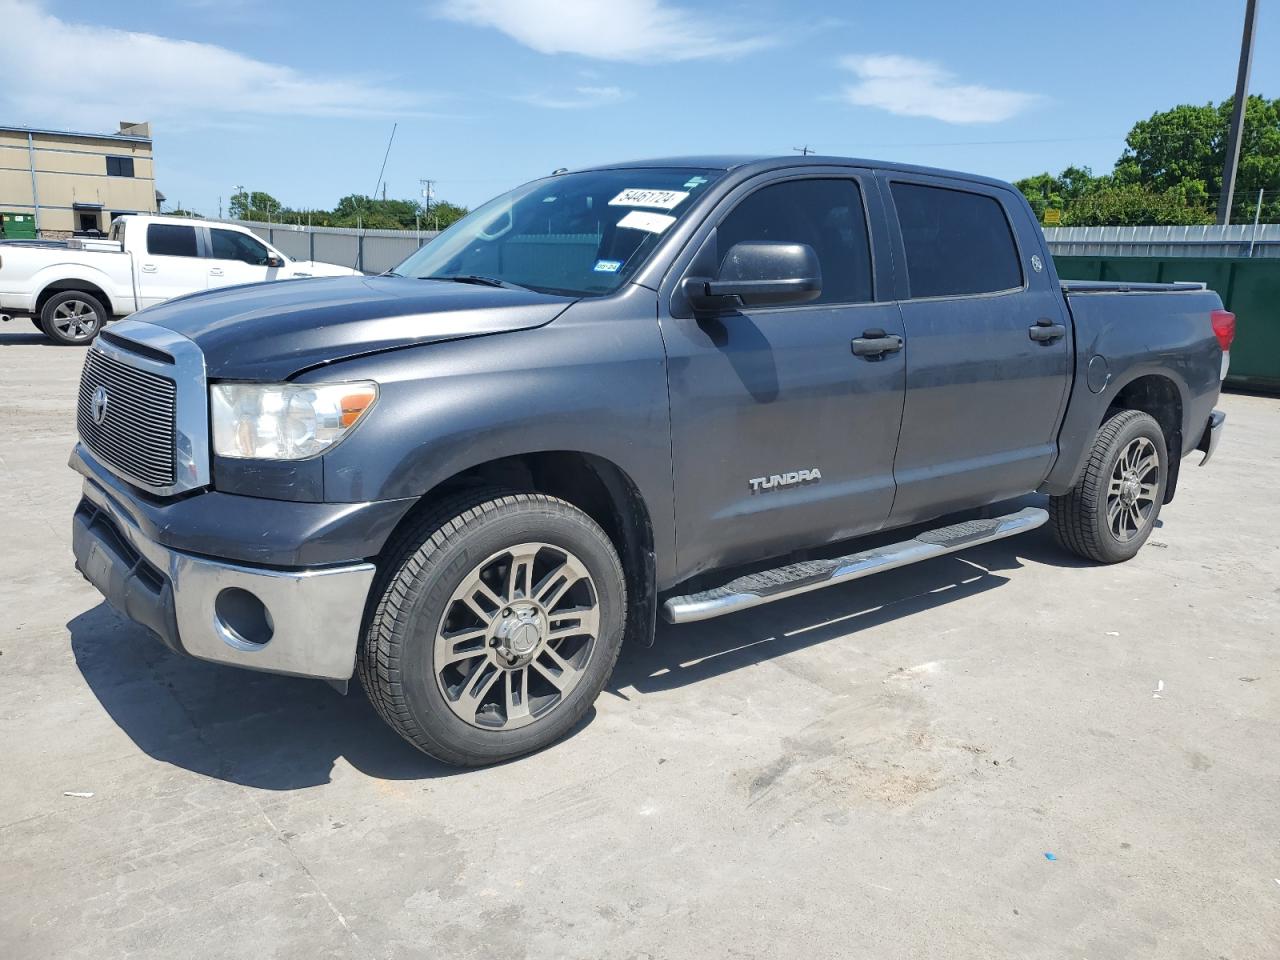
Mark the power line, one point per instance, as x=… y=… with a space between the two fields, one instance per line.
x=384 y=160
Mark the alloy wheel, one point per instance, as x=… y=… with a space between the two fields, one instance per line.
x=516 y=636
x=75 y=319
x=1131 y=493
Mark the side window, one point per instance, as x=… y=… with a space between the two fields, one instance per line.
x=119 y=166
x=826 y=214
x=171 y=240
x=957 y=242
x=230 y=245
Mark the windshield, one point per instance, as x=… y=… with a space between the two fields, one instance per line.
x=579 y=234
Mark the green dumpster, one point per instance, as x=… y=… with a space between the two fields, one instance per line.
x=1249 y=287
x=17 y=226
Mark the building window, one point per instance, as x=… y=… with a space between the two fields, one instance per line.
x=119 y=166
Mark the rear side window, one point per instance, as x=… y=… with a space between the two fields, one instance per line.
x=230 y=245
x=957 y=242
x=171 y=240
x=826 y=214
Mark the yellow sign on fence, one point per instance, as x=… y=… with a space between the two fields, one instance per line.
x=1052 y=218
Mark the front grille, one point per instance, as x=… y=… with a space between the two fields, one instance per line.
x=137 y=436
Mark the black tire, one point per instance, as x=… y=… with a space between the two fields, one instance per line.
x=35 y=322
x=416 y=590
x=72 y=318
x=1080 y=518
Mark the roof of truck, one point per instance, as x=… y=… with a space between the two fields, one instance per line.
x=763 y=162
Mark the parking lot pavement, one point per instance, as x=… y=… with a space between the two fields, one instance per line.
x=1000 y=753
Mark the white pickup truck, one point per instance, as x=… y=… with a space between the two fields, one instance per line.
x=70 y=292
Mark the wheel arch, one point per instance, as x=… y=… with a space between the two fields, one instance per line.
x=76 y=285
x=1160 y=397
x=596 y=486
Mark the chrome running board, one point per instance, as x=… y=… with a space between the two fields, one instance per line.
x=766 y=586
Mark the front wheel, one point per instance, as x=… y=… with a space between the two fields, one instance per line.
x=1109 y=513
x=498 y=621
x=72 y=318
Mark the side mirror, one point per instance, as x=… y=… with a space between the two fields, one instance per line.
x=760 y=273
x=274 y=261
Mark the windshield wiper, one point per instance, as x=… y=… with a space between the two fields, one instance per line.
x=480 y=281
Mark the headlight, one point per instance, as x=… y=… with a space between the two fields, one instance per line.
x=285 y=421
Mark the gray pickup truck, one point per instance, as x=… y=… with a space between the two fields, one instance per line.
x=680 y=385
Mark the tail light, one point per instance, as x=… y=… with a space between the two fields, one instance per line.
x=1224 y=327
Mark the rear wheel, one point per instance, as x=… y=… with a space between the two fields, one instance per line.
x=72 y=317
x=1109 y=513
x=499 y=621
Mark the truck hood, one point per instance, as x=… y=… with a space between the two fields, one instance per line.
x=272 y=331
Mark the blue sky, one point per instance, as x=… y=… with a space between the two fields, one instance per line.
x=298 y=98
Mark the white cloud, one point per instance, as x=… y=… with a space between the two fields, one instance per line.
x=581 y=98
x=921 y=88
x=634 y=31
x=99 y=75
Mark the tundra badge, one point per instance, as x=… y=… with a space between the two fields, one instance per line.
x=776 y=480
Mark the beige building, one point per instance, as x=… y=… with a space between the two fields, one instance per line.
x=55 y=183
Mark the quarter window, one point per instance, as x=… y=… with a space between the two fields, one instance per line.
x=957 y=242
x=231 y=245
x=825 y=214
x=119 y=166
x=171 y=240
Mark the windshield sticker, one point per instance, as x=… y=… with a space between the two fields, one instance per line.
x=693 y=182
x=607 y=266
x=644 y=220
x=637 y=197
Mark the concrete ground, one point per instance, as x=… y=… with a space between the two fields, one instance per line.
x=1004 y=753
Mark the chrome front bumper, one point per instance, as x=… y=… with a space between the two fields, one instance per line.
x=1212 y=434
x=197 y=605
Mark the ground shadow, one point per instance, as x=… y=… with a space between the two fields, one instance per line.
x=14 y=338
x=285 y=733
x=256 y=729
x=692 y=653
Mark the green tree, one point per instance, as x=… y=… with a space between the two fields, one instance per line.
x=1134 y=204
x=1047 y=192
x=255 y=205
x=1185 y=148
x=371 y=213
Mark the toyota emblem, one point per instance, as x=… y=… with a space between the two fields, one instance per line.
x=100 y=403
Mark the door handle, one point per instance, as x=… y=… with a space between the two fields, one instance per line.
x=1046 y=331
x=148 y=268
x=874 y=344
x=215 y=272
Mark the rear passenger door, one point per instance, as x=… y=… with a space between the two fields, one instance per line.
x=781 y=437
x=171 y=264
x=987 y=346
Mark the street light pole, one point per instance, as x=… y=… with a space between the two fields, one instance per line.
x=1237 y=114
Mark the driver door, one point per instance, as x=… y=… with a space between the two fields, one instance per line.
x=236 y=257
x=782 y=437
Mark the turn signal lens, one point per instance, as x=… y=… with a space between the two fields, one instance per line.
x=354 y=405
x=1224 y=327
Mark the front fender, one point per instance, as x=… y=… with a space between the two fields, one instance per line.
x=592 y=381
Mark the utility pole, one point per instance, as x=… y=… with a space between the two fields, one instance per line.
x=1237 y=114
x=804 y=151
x=428 y=194
x=243 y=203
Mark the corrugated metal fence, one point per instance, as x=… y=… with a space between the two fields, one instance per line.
x=1235 y=240
x=373 y=251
